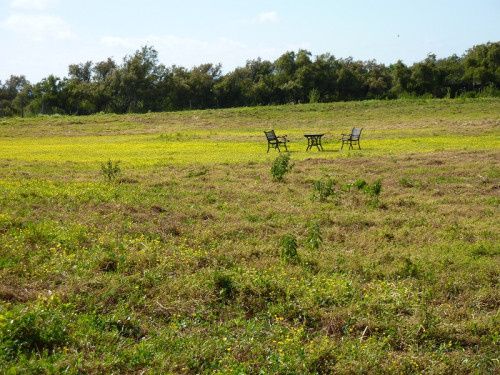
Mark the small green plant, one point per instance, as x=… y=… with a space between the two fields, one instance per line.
x=314 y=96
x=314 y=238
x=409 y=269
x=406 y=182
x=360 y=184
x=111 y=170
x=32 y=330
x=322 y=189
x=224 y=286
x=281 y=166
x=289 y=248
x=374 y=189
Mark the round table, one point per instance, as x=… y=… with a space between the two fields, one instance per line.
x=314 y=140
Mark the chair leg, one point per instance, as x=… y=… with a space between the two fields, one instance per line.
x=286 y=148
x=359 y=145
x=342 y=145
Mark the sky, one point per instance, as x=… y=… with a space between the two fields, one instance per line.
x=42 y=37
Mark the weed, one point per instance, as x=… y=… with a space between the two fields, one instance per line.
x=32 y=330
x=281 y=166
x=126 y=328
x=409 y=269
x=314 y=96
x=224 y=287
x=111 y=170
x=322 y=189
x=360 y=184
x=314 y=238
x=406 y=182
x=374 y=189
x=289 y=252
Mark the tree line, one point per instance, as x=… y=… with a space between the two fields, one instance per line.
x=141 y=83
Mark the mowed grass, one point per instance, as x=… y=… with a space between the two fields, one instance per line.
x=236 y=135
x=178 y=265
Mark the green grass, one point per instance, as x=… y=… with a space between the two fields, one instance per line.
x=178 y=265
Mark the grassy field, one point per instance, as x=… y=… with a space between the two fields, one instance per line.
x=194 y=260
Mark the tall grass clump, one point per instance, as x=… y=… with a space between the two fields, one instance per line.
x=281 y=166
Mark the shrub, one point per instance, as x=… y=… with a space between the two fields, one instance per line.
x=322 y=189
x=314 y=238
x=281 y=166
x=289 y=248
x=111 y=170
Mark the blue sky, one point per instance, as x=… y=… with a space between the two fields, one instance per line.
x=40 y=37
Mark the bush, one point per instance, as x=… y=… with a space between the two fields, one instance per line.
x=281 y=166
x=289 y=249
x=111 y=170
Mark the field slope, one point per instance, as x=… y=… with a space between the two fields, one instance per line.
x=186 y=261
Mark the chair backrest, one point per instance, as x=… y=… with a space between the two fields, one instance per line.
x=270 y=135
x=356 y=132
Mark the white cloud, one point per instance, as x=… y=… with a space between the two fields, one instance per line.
x=268 y=17
x=189 y=52
x=38 y=27
x=177 y=50
x=34 y=5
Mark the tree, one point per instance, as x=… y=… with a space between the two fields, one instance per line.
x=401 y=78
x=482 y=66
x=136 y=82
x=80 y=72
x=201 y=83
x=22 y=99
x=47 y=98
